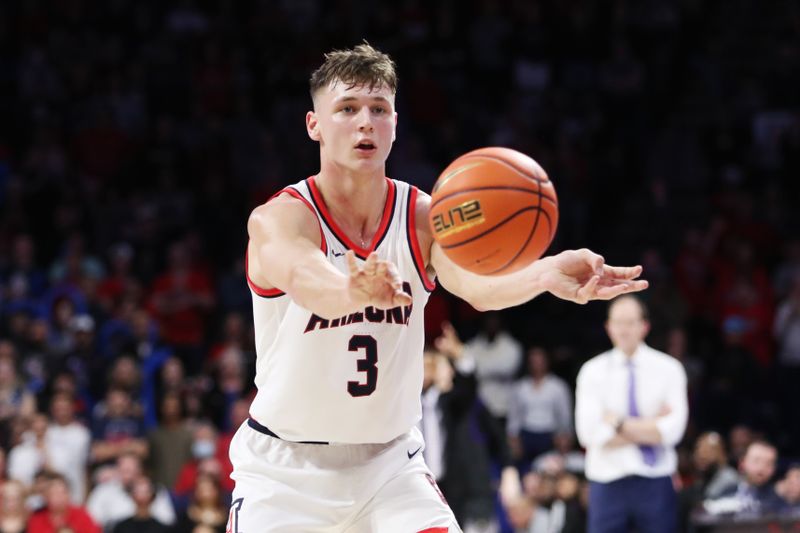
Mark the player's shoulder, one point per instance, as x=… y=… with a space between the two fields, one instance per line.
x=287 y=198
x=422 y=204
x=286 y=207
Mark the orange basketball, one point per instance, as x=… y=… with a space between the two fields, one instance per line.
x=493 y=211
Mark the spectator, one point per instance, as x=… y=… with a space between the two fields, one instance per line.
x=151 y=355
x=753 y=494
x=171 y=379
x=120 y=279
x=206 y=511
x=205 y=458
x=59 y=515
x=13 y=510
x=539 y=408
x=448 y=393
x=712 y=475
x=170 y=443
x=116 y=429
x=126 y=375
x=68 y=445
x=498 y=356
x=32 y=453
x=788 y=489
x=113 y=500
x=83 y=360
x=142 y=493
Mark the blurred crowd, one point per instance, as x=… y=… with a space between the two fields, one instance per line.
x=135 y=138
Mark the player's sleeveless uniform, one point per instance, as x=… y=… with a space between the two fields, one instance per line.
x=331 y=444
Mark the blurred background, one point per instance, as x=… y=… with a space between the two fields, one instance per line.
x=137 y=136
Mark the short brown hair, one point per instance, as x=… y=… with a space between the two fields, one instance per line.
x=361 y=65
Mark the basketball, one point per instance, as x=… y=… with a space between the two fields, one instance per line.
x=493 y=211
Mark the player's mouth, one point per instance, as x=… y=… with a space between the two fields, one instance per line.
x=365 y=147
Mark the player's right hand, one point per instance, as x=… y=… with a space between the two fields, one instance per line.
x=376 y=283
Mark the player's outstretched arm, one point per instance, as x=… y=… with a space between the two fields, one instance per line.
x=285 y=254
x=575 y=275
x=579 y=276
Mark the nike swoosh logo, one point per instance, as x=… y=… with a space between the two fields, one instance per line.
x=338 y=254
x=412 y=454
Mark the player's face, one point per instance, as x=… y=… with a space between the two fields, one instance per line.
x=626 y=328
x=355 y=126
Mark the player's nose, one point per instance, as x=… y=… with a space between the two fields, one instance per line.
x=365 y=120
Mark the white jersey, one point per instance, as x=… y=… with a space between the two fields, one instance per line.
x=354 y=379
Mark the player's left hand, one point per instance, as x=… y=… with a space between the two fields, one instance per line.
x=582 y=275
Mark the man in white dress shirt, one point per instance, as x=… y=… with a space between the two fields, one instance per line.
x=631 y=412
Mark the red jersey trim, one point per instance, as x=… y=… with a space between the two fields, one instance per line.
x=273 y=292
x=413 y=241
x=386 y=219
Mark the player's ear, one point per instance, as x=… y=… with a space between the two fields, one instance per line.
x=394 y=130
x=312 y=126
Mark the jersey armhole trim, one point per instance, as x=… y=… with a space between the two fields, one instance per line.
x=413 y=241
x=273 y=292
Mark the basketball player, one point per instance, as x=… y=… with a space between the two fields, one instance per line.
x=340 y=266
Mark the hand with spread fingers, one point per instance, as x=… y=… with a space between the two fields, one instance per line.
x=376 y=283
x=449 y=342
x=581 y=276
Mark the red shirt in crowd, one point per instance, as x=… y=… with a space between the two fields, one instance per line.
x=76 y=518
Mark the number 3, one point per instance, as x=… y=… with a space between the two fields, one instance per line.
x=367 y=364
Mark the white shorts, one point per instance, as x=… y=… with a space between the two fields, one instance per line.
x=290 y=487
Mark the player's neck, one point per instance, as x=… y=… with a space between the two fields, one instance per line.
x=355 y=201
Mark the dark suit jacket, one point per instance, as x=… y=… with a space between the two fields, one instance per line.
x=472 y=440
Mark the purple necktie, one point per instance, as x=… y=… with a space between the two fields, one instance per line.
x=648 y=452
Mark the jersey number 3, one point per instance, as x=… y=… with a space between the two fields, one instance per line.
x=366 y=364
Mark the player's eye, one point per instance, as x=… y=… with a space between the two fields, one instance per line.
x=379 y=110
x=348 y=109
